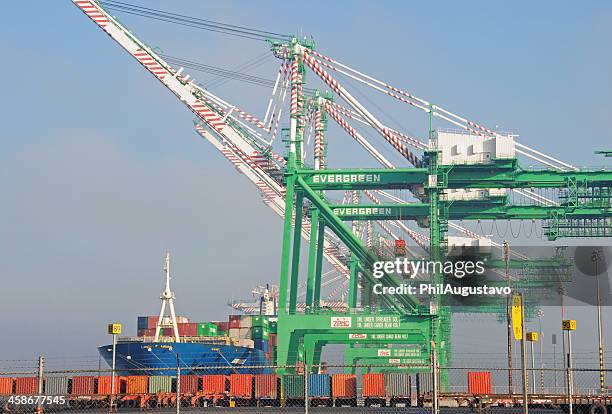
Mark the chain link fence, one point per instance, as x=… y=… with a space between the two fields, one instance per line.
x=300 y=388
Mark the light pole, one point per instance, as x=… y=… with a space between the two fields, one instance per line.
x=596 y=258
x=569 y=325
x=114 y=329
x=532 y=337
x=554 y=344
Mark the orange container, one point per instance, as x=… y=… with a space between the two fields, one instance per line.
x=214 y=384
x=344 y=386
x=83 y=385
x=241 y=386
x=479 y=383
x=6 y=385
x=266 y=386
x=374 y=385
x=26 y=385
x=104 y=385
x=137 y=384
x=189 y=384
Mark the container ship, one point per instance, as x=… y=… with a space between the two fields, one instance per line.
x=243 y=344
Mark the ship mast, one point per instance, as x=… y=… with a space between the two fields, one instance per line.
x=167 y=297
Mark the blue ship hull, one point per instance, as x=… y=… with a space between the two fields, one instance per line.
x=160 y=358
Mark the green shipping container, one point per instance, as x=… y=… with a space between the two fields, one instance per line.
x=160 y=383
x=273 y=326
x=260 y=333
x=259 y=321
x=293 y=386
x=207 y=329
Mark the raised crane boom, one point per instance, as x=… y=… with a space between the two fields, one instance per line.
x=240 y=148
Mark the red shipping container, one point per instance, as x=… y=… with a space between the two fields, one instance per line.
x=188 y=329
x=6 y=386
x=266 y=386
x=222 y=326
x=374 y=385
x=26 y=385
x=104 y=385
x=214 y=384
x=137 y=384
x=235 y=318
x=189 y=384
x=479 y=383
x=241 y=386
x=152 y=322
x=344 y=386
x=273 y=339
x=83 y=385
x=234 y=324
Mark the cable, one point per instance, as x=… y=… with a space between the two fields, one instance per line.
x=184 y=20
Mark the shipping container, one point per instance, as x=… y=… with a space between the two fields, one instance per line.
x=344 y=385
x=247 y=343
x=246 y=321
x=221 y=326
x=190 y=384
x=260 y=321
x=137 y=384
x=262 y=345
x=56 y=386
x=188 y=329
x=273 y=338
x=215 y=384
x=293 y=388
x=83 y=385
x=142 y=322
x=104 y=385
x=319 y=386
x=160 y=383
x=234 y=318
x=344 y=389
x=234 y=333
x=6 y=385
x=374 y=385
x=398 y=384
x=241 y=386
x=266 y=386
x=234 y=324
x=26 y=385
x=258 y=332
x=152 y=322
x=244 y=333
x=273 y=326
x=206 y=329
x=424 y=383
x=479 y=383
x=398 y=388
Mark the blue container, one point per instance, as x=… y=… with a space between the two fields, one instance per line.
x=319 y=385
x=143 y=322
x=262 y=345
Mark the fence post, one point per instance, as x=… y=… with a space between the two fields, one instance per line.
x=178 y=384
x=570 y=384
x=41 y=369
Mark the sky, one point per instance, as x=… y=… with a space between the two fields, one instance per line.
x=101 y=170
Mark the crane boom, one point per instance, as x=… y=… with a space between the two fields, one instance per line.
x=234 y=145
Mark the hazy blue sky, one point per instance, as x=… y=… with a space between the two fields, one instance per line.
x=101 y=171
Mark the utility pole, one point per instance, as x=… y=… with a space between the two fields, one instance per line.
x=523 y=357
x=506 y=251
x=41 y=370
x=532 y=337
x=596 y=257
